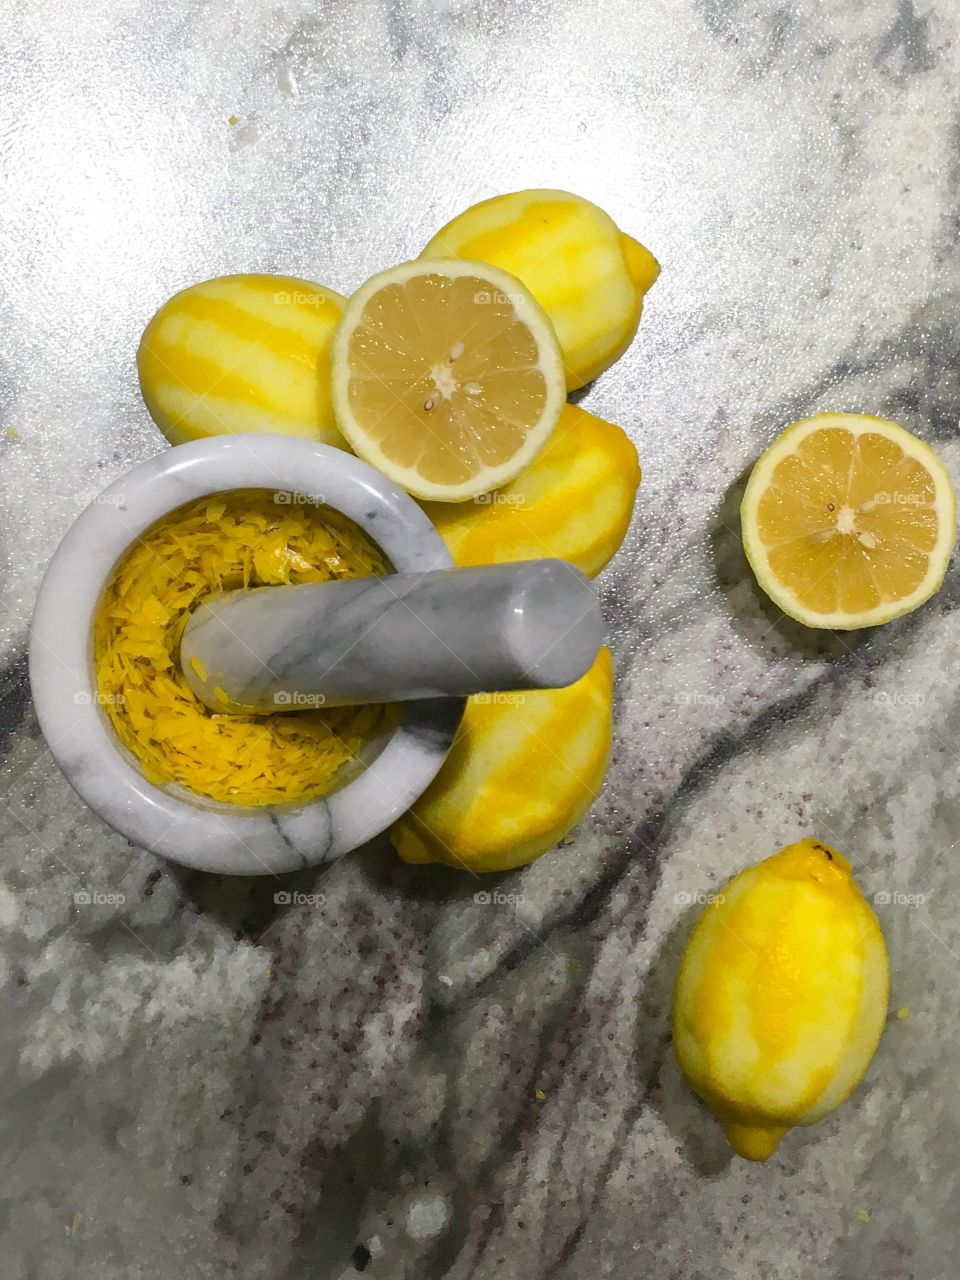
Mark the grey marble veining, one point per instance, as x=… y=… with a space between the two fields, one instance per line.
x=377 y=1071
x=445 y=634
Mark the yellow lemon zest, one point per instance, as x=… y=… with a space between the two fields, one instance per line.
x=216 y=544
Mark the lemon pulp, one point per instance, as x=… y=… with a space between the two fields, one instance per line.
x=447 y=376
x=848 y=521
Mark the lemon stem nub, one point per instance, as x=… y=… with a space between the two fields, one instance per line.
x=753 y=1143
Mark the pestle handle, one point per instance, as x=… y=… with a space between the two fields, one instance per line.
x=449 y=633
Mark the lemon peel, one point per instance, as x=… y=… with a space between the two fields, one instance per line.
x=781 y=996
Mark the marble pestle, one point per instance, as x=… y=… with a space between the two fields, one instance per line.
x=447 y=633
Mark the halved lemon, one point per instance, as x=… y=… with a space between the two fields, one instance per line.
x=848 y=521
x=447 y=376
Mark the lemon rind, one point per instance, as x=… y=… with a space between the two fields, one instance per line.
x=440 y=245
x=462 y=839
x=945 y=505
x=753 y=1129
x=486 y=215
x=230 y=415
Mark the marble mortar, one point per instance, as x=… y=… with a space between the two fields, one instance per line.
x=171 y=821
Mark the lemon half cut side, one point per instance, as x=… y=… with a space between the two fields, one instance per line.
x=848 y=521
x=447 y=376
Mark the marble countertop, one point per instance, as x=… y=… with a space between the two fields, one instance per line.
x=387 y=1076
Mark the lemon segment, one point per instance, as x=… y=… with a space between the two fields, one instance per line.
x=848 y=521
x=781 y=996
x=447 y=376
x=524 y=769
x=242 y=353
x=573 y=502
x=589 y=278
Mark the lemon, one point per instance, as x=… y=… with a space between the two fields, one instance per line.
x=242 y=353
x=587 y=275
x=573 y=502
x=781 y=996
x=447 y=376
x=848 y=521
x=524 y=769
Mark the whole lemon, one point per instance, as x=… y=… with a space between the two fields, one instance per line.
x=242 y=353
x=587 y=275
x=574 y=502
x=781 y=996
x=524 y=769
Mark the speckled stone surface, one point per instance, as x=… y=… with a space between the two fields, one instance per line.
x=383 y=1074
